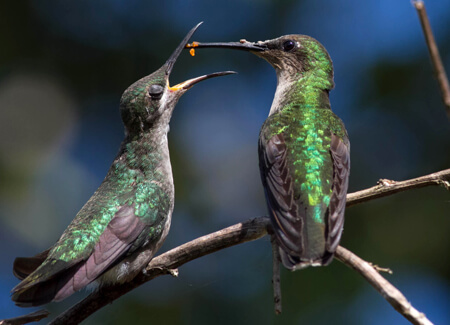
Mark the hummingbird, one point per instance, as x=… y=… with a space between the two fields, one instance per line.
x=304 y=150
x=123 y=224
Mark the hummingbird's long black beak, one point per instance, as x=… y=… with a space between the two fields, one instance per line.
x=242 y=45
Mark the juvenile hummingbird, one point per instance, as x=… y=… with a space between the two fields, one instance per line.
x=118 y=231
x=304 y=151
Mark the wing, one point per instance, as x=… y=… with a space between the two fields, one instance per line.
x=56 y=279
x=278 y=187
x=340 y=153
x=113 y=243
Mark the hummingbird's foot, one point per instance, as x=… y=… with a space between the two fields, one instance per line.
x=276 y=282
x=380 y=269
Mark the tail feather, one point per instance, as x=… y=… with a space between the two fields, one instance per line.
x=293 y=263
x=24 y=266
x=34 y=293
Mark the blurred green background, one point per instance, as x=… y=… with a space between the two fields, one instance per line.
x=64 y=66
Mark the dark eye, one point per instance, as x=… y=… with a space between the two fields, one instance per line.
x=288 y=45
x=155 y=91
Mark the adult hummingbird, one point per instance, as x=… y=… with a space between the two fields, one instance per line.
x=118 y=231
x=304 y=151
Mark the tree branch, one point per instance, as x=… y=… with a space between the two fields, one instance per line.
x=436 y=61
x=384 y=287
x=387 y=187
x=25 y=319
x=253 y=229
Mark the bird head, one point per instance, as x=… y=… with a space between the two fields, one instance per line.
x=150 y=101
x=291 y=55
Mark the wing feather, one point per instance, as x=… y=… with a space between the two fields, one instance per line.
x=340 y=153
x=114 y=242
x=278 y=186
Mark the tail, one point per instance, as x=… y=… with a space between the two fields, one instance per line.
x=39 y=287
x=294 y=263
x=24 y=266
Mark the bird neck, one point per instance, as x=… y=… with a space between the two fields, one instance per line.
x=145 y=153
x=307 y=89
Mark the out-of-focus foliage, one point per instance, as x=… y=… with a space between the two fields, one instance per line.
x=63 y=67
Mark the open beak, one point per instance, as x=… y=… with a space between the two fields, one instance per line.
x=189 y=83
x=242 y=45
x=173 y=58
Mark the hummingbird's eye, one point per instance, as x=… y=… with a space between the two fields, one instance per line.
x=155 y=91
x=288 y=45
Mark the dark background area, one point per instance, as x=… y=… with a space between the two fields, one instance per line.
x=63 y=68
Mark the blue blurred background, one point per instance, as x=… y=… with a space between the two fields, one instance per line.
x=64 y=66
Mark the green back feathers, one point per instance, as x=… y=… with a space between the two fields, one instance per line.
x=307 y=133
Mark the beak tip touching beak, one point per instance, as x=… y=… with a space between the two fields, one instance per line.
x=173 y=58
x=171 y=61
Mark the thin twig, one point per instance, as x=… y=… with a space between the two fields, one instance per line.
x=388 y=187
x=276 y=282
x=384 y=287
x=380 y=269
x=436 y=61
x=25 y=319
